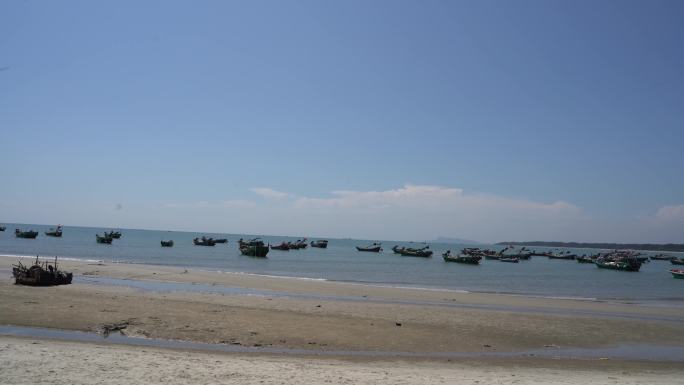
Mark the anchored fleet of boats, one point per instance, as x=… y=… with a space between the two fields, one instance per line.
x=623 y=260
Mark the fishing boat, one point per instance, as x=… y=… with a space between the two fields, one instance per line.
x=463 y=258
x=562 y=255
x=104 y=239
x=509 y=260
x=40 y=274
x=25 y=234
x=204 y=241
x=521 y=256
x=677 y=261
x=661 y=257
x=298 y=244
x=493 y=257
x=168 y=243
x=321 y=244
x=221 y=240
x=3 y=228
x=422 y=252
x=55 y=232
x=282 y=246
x=584 y=259
x=372 y=248
x=397 y=250
x=114 y=234
x=677 y=273
x=623 y=264
x=253 y=248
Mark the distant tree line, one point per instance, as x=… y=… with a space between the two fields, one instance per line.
x=672 y=247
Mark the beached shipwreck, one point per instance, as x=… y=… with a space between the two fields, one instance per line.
x=40 y=274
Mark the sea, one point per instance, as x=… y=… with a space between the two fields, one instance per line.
x=540 y=276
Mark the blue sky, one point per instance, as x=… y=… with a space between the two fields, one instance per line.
x=487 y=120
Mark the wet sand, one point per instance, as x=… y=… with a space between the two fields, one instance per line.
x=379 y=319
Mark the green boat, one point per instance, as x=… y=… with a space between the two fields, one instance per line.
x=105 y=240
x=253 y=248
x=423 y=252
x=55 y=232
x=25 y=234
x=623 y=265
x=467 y=259
x=373 y=248
x=677 y=273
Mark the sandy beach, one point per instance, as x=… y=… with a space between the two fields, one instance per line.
x=320 y=316
x=54 y=362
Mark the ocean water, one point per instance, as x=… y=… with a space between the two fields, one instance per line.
x=342 y=262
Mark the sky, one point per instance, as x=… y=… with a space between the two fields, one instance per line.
x=403 y=120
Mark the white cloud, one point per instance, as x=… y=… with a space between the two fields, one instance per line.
x=269 y=193
x=424 y=212
x=444 y=198
x=671 y=213
x=224 y=204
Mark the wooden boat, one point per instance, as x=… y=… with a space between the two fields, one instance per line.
x=493 y=257
x=204 y=241
x=3 y=228
x=253 y=248
x=661 y=257
x=168 y=243
x=114 y=234
x=397 y=250
x=520 y=256
x=25 y=234
x=624 y=264
x=422 y=252
x=282 y=246
x=567 y=256
x=221 y=240
x=584 y=259
x=55 y=232
x=677 y=273
x=321 y=244
x=677 y=261
x=510 y=260
x=373 y=248
x=104 y=239
x=40 y=274
x=463 y=258
x=298 y=244
x=255 y=251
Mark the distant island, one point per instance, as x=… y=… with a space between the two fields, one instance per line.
x=672 y=247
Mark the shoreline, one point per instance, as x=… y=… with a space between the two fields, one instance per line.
x=282 y=313
x=654 y=302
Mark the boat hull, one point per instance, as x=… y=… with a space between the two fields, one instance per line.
x=620 y=266
x=254 y=251
x=369 y=249
x=465 y=259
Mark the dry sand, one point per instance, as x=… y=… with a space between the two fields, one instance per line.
x=431 y=321
x=29 y=361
